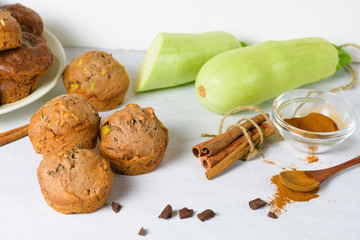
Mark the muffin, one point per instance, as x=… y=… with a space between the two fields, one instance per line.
x=29 y=20
x=10 y=32
x=133 y=140
x=99 y=77
x=65 y=122
x=20 y=68
x=77 y=181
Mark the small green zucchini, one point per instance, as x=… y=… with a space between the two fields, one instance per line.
x=254 y=74
x=174 y=58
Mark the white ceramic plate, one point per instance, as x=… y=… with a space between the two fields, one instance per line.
x=49 y=80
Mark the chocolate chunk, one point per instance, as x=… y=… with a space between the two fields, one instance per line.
x=206 y=215
x=115 y=207
x=256 y=203
x=167 y=212
x=185 y=213
x=272 y=215
x=142 y=232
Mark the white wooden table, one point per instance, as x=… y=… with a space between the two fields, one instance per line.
x=180 y=181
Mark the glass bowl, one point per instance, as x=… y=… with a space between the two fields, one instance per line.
x=301 y=102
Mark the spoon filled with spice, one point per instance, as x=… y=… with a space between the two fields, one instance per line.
x=305 y=181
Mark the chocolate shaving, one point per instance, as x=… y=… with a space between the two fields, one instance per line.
x=142 y=232
x=167 y=212
x=185 y=213
x=206 y=215
x=272 y=215
x=115 y=207
x=256 y=203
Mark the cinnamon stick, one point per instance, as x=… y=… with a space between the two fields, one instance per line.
x=221 y=141
x=14 y=134
x=210 y=161
x=236 y=154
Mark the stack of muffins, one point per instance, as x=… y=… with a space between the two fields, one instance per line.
x=24 y=55
x=73 y=177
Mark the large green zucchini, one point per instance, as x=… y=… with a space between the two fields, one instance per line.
x=254 y=74
x=176 y=58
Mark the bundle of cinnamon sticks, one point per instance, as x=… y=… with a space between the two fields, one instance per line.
x=223 y=150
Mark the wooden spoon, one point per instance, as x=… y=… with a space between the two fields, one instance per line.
x=305 y=181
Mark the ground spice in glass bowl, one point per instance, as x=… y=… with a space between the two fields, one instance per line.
x=313 y=122
x=326 y=119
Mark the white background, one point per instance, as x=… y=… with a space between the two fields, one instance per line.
x=132 y=24
x=180 y=179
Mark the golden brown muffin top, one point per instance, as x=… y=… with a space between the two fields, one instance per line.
x=33 y=56
x=29 y=20
x=132 y=132
x=68 y=112
x=82 y=173
x=10 y=31
x=96 y=75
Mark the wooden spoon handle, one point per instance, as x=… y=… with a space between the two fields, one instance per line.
x=328 y=172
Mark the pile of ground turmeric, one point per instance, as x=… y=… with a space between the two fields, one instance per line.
x=284 y=196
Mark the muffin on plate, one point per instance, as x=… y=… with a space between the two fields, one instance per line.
x=29 y=20
x=76 y=181
x=133 y=140
x=99 y=77
x=20 y=68
x=10 y=32
x=65 y=122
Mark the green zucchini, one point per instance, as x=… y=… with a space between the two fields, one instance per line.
x=174 y=59
x=254 y=74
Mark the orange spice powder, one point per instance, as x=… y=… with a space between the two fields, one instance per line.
x=266 y=160
x=284 y=196
x=311 y=158
x=313 y=122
